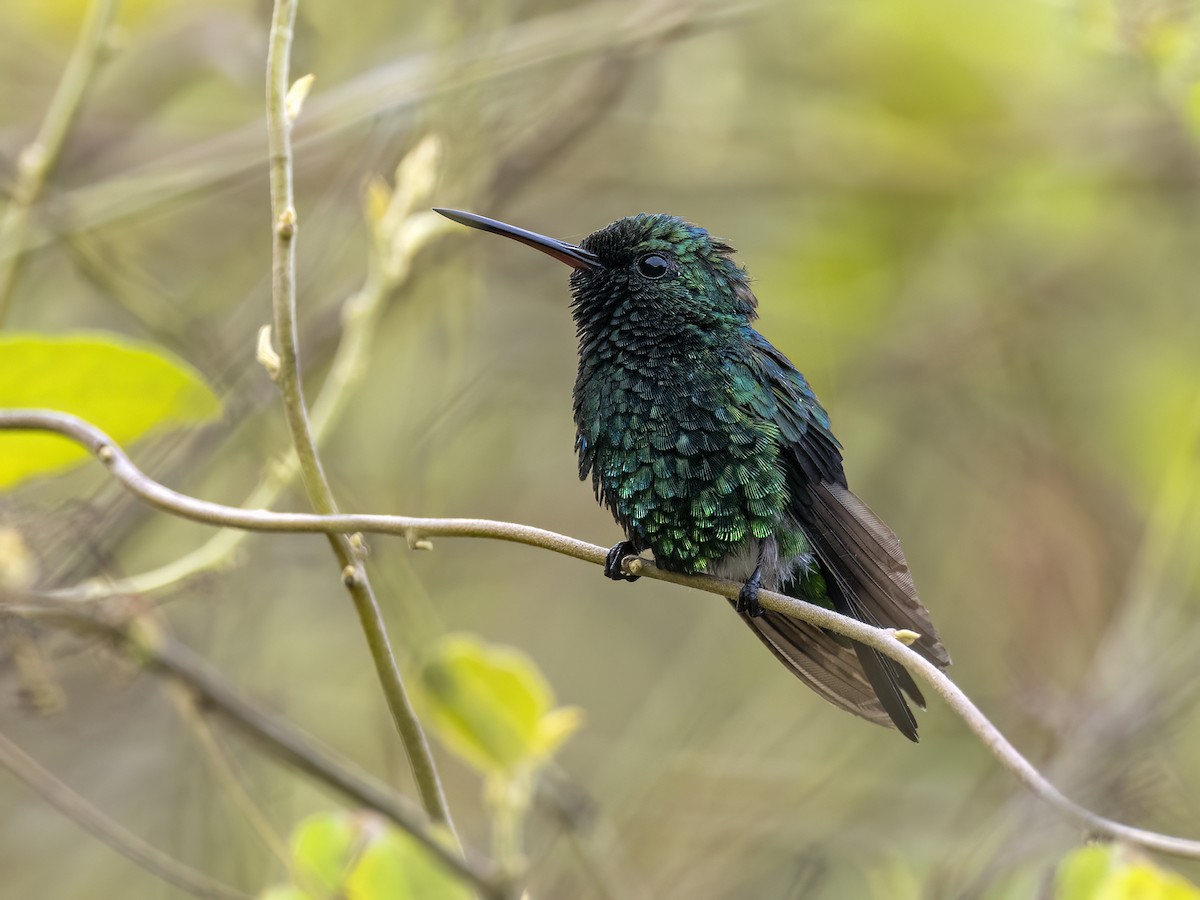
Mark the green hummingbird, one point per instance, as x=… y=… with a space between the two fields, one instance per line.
x=712 y=452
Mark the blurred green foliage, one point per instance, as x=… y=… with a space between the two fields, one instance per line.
x=971 y=224
x=361 y=857
x=1111 y=873
x=492 y=706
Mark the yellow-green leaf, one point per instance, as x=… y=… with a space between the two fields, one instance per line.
x=1110 y=872
x=323 y=847
x=394 y=867
x=556 y=726
x=492 y=706
x=360 y=856
x=124 y=388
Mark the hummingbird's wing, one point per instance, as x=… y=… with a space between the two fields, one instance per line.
x=860 y=558
x=872 y=565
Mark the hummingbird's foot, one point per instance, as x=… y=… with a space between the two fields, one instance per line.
x=747 y=601
x=612 y=564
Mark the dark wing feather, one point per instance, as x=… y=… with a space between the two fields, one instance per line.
x=817 y=658
x=812 y=454
x=868 y=558
x=858 y=555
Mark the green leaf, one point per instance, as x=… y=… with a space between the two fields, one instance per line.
x=122 y=387
x=323 y=848
x=1112 y=872
x=492 y=706
x=556 y=726
x=360 y=856
x=395 y=867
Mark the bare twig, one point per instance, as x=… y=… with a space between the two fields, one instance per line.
x=159 y=652
x=99 y=825
x=391 y=265
x=37 y=160
x=186 y=704
x=421 y=529
x=316 y=485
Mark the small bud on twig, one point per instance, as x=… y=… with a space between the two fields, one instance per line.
x=376 y=200
x=294 y=101
x=285 y=225
x=417 y=173
x=18 y=567
x=31 y=161
x=266 y=355
x=415 y=541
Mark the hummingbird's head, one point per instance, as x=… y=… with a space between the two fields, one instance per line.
x=667 y=264
x=648 y=263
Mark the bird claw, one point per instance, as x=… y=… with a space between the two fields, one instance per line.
x=747 y=601
x=616 y=556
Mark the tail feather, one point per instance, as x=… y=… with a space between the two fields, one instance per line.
x=869 y=566
x=883 y=674
x=831 y=668
x=867 y=577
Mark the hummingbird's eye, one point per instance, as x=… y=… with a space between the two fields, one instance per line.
x=653 y=265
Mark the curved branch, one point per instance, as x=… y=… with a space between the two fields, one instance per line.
x=418 y=530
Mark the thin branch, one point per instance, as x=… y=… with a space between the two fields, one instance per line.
x=417 y=531
x=390 y=267
x=37 y=160
x=316 y=485
x=100 y=826
x=211 y=692
x=189 y=710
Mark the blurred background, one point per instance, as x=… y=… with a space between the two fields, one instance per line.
x=973 y=226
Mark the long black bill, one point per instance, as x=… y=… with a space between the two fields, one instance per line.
x=575 y=257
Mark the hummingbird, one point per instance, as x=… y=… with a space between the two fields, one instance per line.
x=712 y=452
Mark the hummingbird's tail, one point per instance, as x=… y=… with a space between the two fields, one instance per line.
x=867 y=577
x=833 y=669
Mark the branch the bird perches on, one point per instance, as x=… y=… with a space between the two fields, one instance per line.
x=417 y=531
